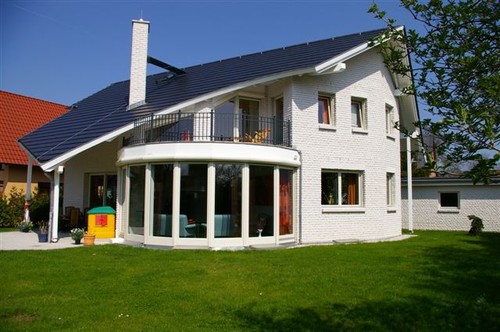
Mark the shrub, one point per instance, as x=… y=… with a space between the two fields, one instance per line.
x=25 y=226
x=11 y=213
x=12 y=208
x=40 y=207
x=476 y=225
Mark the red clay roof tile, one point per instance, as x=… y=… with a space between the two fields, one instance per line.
x=20 y=115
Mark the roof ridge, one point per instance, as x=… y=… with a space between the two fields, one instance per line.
x=283 y=48
x=245 y=55
x=32 y=98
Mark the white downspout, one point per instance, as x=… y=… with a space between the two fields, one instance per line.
x=409 y=178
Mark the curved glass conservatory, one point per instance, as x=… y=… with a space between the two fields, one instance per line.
x=193 y=181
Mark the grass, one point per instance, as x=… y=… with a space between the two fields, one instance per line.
x=8 y=229
x=437 y=281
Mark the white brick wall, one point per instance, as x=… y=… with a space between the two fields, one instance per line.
x=480 y=200
x=372 y=153
x=98 y=160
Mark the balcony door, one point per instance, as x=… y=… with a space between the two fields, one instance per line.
x=249 y=110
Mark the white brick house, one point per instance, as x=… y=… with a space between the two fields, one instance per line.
x=293 y=145
x=445 y=204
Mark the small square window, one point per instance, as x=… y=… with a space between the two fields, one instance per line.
x=358 y=113
x=325 y=107
x=449 y=200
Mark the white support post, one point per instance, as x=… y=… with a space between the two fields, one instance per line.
x=409 y=177
x=27 y=202
x=55 y=204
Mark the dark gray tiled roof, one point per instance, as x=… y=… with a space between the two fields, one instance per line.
x=106 y=110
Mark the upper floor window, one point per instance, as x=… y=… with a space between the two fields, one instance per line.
x=341 y=188
x=325 y=113
x=389 y=120
x=358 y=113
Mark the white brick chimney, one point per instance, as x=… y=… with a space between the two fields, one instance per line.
x=138 y=63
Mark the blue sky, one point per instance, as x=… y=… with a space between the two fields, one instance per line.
x=63 y=51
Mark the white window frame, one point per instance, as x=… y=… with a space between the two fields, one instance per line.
x=361 y=114
x=331 y=110
x=389 y=120
x=449 y=209
x=390 y=190
x=340 y=207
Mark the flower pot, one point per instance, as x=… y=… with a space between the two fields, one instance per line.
x=78 y=241
x=88 y=240
x=43 y=237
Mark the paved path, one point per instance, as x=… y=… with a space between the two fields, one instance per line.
x=29 y=241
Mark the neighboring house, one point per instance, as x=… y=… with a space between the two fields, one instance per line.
x=445 y=203
x=291 y=145
x=19 y=115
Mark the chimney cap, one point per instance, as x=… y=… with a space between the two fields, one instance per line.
x=140 y=21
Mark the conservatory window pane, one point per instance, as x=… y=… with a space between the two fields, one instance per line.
x=136 y=204
x=227 y=219
x=286 y=201
x=193 y=206
x=261 y=201
x=162 y=199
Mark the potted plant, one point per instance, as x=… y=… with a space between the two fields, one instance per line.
x=25 y=226
x=88 y=239
x=77 y=234
x=43 y=232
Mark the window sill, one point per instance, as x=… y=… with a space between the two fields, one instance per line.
x=359 y=131
x=323 y=126
x=390 y=137
x=343 y=209
x=391 y=210
x=448 y=210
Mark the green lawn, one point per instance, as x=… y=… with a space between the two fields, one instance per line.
x=437 y=281
x=8 y=229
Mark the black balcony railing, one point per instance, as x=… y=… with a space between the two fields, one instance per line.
x=210 y=126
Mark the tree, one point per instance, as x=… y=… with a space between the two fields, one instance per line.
x=456 y=73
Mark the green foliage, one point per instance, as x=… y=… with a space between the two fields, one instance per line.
x=25 y=226
x=12 y=208
x=5 y=218
x=456 y=72
x=40 y=207
x=436 y=281
x=77 y=233
x=476 y=225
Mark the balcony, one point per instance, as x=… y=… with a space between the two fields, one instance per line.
x=210 y=127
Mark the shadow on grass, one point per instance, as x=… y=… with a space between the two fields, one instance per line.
x=468 y=271
x=456 y=287
x=418 y=314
